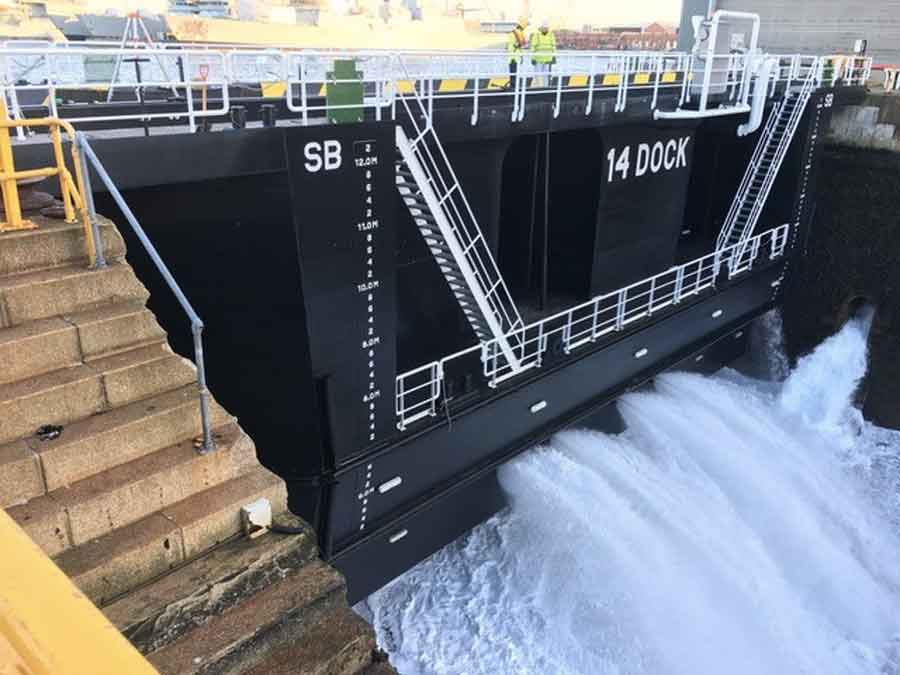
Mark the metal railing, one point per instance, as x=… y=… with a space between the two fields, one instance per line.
x=89 y=157
x=425 y=156
x=303 y=76
x=420 y=391
x=73 y=192
x=771 y=149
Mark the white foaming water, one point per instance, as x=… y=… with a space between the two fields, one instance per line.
x=730 y=529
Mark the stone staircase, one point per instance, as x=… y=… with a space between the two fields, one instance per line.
x=99 y=422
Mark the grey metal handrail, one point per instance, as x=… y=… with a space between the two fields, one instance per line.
x=87 y=152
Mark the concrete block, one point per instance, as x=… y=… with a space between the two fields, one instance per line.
x=210 y=517
x=54 y=243
x=142 y=373
x=64 y=290
x=158 y=614
x=884 y=132
x=37 y=348
x=59 y=397
x=126 y=493
x=45 y=522
x=20 y=474
x=103 y=441
x=338 y=643
x=110 y=330
x=243 y=637
x=108 y=566
x=866 y=115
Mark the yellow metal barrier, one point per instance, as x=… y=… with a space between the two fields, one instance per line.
x=47 y=626
x=72 y=191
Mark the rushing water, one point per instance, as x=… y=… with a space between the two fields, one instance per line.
x=737 y=526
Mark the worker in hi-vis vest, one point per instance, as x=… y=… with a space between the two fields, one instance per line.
x=515 y=47
x=543 y=54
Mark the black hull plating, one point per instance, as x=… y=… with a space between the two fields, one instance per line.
x=453 y=463
x=275 y=262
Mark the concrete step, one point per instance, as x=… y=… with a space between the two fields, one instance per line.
x=37 y=348
x=45 y=523
x=42 y=346
x=108 y=566
x=244 y=636
x=126 y=493
x=57 y=398
x=70 y=394
x=141 y=373
x=157 y=614
x=21 y=478
x=66 y=290
x=118 y=436
x=338 y=643
x=115 y=328
x=379 y=667
x=53 y=244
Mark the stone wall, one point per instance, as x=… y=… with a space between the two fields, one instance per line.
x=853 y=252
x=872 y=124
x=817 y=26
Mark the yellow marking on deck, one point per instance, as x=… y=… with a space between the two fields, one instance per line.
x=498 y=83
x=324 y=90
x=611 y=80
x=405 y=86
x=642 y=78
x=578 y=81
x=669 y=77
x=448 y=86
x=273 y=89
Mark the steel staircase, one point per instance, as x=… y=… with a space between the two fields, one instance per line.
x=760 y=176
x=438 y=206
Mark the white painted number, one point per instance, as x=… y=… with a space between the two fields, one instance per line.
x=621 y=166
x=325 y=155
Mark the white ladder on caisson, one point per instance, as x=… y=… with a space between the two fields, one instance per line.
x=432 y=193
x=760 y=176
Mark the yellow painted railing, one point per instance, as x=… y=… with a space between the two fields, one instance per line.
x=71 y=190
x=47 y=626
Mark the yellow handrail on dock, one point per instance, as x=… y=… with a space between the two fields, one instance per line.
x=48 y=626
x=71 y=190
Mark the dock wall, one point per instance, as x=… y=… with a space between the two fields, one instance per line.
x=853 y=251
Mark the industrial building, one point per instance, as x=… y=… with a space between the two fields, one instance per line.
x=813 y=26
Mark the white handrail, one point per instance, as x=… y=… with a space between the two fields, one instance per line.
x=419 y=391
x=220 y=69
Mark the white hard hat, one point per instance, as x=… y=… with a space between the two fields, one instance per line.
x=545 y=24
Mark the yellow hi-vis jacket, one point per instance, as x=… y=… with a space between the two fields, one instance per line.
x=543 y=47
x=518 y=41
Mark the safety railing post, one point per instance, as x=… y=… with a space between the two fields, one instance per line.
x=56 y=142
x=475 y=99
x=8 y=185
x=88 y=196
x=437 y=384
x=588 y=108
x=679 y=285
x=208 y=442
x=621 y=300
